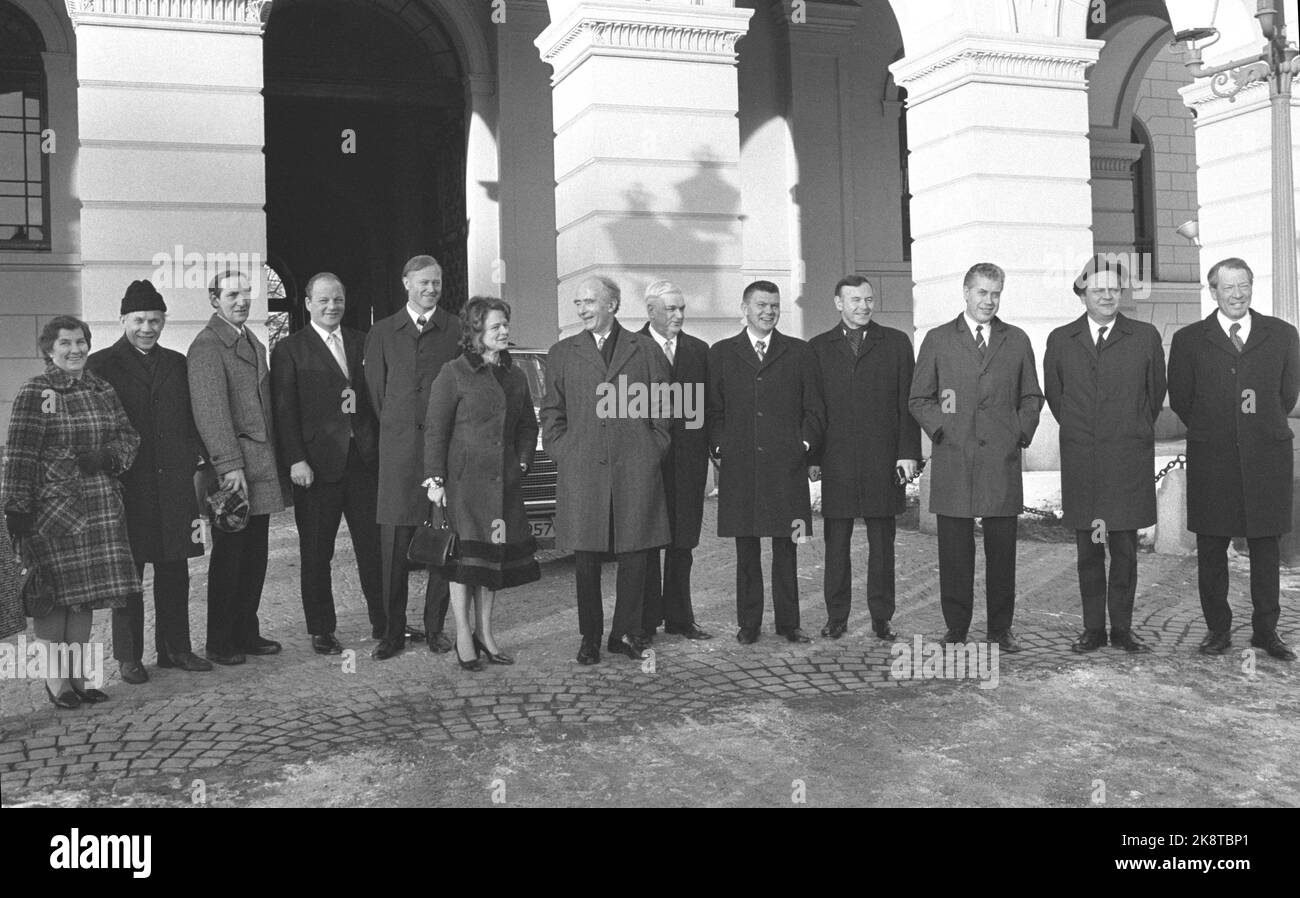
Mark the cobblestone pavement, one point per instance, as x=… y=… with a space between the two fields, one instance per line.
x=249 y=722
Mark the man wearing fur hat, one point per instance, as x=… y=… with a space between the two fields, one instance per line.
x=161 y=512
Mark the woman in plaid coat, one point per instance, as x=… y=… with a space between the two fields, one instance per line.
x=69 y=438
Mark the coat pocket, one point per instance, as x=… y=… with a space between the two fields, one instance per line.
x=59 y=511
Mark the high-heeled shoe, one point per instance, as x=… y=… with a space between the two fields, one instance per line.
x=498 y=658
x=474 y=664
x=90 y=696
x=65 y=700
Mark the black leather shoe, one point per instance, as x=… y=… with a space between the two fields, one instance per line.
x=439 y=643
x=1089 y=641
x=589 y=651
x=185 y=661
x=227 y=658
x=1124 y=639
x=690 y=631
x=260 y=646
x=133 y=672
x=388 y=648
x=326 y=645
x=1273 y=644
x=835 y=629
x=882 y=630
x=953 y=637
x=1006 y=641
x=624 y=645
x=796 y=635
x=90 y=696
x=638 y=643
x=747 y=635
x=1216 y=642
x=414 y=635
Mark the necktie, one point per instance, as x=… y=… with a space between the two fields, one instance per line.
x=979 y=339
x=668 y=350
x=421 y=322
x=335 y=344
x=1236 y=338
x=761 y=348
x=855 y=339
x=600 y=343
x=1101 y=336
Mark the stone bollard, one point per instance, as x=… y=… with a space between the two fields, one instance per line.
x=929 y=523
x=1172 y=535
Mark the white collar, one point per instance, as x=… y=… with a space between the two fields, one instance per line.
x=324 y=334
x=417 y=313
x=1226 y=323
x=754 y=339
x=971 y=324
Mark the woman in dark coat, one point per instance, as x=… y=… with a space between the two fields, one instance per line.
x=480 y=435
x=69 y=438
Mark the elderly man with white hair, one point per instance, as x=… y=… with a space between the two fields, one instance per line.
x=685 y=468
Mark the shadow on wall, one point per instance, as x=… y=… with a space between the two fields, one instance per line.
x=679 y=240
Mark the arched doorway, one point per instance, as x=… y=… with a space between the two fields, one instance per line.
x=365 y=152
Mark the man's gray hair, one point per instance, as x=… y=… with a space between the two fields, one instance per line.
x=610 y=288
x=661 y=288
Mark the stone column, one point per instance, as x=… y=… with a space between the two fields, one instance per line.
x=822 y=61
x=171 y=175
x=482 y=182
x=647 y=152
x=527 y=184
x=1112 y=195
x=999 y=167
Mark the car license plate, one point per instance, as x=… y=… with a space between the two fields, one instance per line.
x=544 y=529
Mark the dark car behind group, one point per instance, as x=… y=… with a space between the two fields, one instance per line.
x=539 y=482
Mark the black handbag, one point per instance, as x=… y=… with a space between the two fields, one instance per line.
x=36 y=589
x=434 y=542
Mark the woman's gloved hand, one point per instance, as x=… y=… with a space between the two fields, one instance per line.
x=19 y=523
x=94 y=462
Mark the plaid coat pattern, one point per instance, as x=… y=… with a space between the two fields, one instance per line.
x=79 y=538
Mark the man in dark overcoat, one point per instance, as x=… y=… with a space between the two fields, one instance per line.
x=764 y=416
x=610 y=491
x=1104 y=376
x=864 y=374
x=1233 y=379
x=162 y=516
x=976 y=394
x=404 y=353
x=329 y=443
x=230 y=389
x=685 y=467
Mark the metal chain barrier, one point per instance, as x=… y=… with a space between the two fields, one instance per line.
x=1180 y=461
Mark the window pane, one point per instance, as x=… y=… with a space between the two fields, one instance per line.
x=11 y=211
x=11 y=102
x=11 y=188
x=35 y=212
x=33 y=108
x=34 y=157
x=11 y=157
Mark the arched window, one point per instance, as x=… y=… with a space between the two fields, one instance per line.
x=24 y=167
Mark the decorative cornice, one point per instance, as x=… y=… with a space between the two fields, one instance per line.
x=1114 y=160
x=694 y=33
x=230 y=16
x=996 y=59
x=1207 y=106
